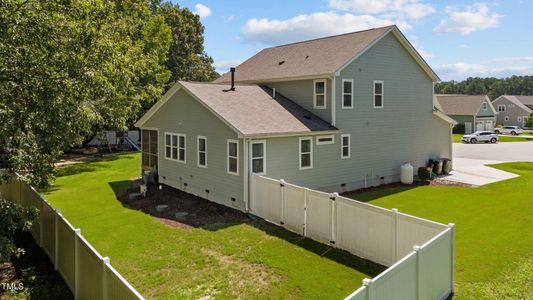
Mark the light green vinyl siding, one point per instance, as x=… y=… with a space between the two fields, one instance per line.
x=183 y=114
x=485 y=113
x=301 y=92
x=461 y=119
x=404 y=130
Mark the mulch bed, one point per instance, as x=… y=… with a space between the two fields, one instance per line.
x=434 y=182
x=200 y=211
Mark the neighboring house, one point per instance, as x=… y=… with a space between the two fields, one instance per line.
x=335 y=114
x=471 y=112
x=512 y=110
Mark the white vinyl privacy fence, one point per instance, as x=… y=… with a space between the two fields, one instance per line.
x=418 y=252
x=86 y=272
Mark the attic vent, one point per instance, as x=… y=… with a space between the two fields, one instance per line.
x=281 y=62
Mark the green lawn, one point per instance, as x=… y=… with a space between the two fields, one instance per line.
x=503 y=138
x=494 y=230
x=226 y=261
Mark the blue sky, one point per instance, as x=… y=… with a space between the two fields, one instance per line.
x=457 y=38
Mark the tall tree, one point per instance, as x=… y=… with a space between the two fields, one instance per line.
x=68 y=66
x=187 y=58
x=493 y=87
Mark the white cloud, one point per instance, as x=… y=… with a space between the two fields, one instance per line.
x=202 y=10
x=500 y=67
x=402 y=9
x=304 y=27
x=475 y=17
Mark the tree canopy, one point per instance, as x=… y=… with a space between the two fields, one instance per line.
x=493 y=87
x=68 y=67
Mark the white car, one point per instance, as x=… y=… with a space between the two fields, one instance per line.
x=512 y=130
x=480 y=136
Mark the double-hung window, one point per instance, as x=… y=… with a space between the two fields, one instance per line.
x=233 y=157
x=319 y=94
x=259 y=157
x=484 y=106
x=347 y=93
x=306 y=153
x=378 y=94
x=345 y=146
x=202 y=151
x=175 y=147
x=501 y=108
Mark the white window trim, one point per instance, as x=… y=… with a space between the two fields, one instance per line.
x=315 y=94
x=184 y=147
x=325 y=137
x=228 y=157
x=506 y=118
x=343 y=94
x=252 y=156
x=382 y=93
x=349 y=145
x=519 y=119
x=198 y=138
x=177 y=135
x=310 y=139
x=501 y=106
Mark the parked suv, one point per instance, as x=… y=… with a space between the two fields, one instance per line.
x=512 y=130
x=480 y=136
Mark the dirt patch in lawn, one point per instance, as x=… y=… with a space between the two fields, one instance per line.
x=243 y=275
x=199 y=212
x=434 y=182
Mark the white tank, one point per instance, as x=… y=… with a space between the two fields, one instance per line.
x=407 y=173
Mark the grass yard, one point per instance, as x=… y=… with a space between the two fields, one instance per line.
x=225 y=261
x=494 y=223
x=502 y=139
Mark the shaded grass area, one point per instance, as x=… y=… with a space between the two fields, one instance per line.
x=238 y=260
x=494 y=245
x=32 y=274
x=502 y=138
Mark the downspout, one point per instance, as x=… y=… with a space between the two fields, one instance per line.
x=333 y=89
x=246 y=174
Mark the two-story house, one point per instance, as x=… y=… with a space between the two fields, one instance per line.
x=334 y=114
x=471 y=112
x=513 y=110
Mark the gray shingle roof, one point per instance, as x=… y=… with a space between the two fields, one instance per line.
x=459 y=104
x=252 y=111
x=524 y=102
x=308 y=58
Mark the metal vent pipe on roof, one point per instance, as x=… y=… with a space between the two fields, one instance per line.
x=232 y=70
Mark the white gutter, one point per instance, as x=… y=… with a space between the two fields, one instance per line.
x=246 y=173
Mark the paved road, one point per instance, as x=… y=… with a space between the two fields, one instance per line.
x=470 y=160
x=517 y=151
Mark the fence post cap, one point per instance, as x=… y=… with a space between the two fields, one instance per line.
x=416 y=248
x=394 y=210
x=335 y=194
x=451 y=225
x=282 y=180
x=77 y=230
x=367 y=281
x=105 y=260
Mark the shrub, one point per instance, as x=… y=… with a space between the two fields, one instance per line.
x=13 y=218
x=424 y=173
x=459 y=128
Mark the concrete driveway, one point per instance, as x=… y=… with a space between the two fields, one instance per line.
x=470 y=160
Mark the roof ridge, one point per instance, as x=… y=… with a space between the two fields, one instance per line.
x=330 y=36
x=217 y=83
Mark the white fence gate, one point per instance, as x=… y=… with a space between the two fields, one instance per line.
x=85 y=271
x=384 y=236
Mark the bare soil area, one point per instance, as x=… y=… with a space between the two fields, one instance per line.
x=200 y=212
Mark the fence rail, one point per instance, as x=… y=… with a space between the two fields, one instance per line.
x=384 y=236
x=85 y=271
